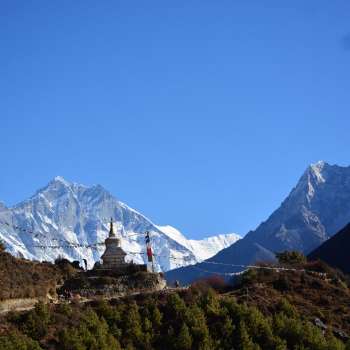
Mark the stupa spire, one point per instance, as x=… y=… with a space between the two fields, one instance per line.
x=111 y=229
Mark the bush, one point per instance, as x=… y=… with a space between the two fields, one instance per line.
x=36 y=322
x=17 y=341
x=214 y=282
x=291 y=258
x=249 y=277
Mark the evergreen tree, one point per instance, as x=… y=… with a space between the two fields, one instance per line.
x=210 y=303
x=199 y=329
x=156 y=317
x=184 y=339
x=176 y=307
x=113 y=317
x=17 y=341
x=148 y=333
x=92 y=334
x=37 y=321
x=69 y=339
x=243 y=340
x=132 y=330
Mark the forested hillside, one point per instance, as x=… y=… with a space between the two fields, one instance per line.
x=266 y=310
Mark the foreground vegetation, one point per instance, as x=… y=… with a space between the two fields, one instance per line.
x=198 y=318
x=267 y=309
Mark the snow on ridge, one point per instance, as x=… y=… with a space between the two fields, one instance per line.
x=204 y=248
x=62 y=180
x=174 y=234
x=317 y=169
x=63 y=211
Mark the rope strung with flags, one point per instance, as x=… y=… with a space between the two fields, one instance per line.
x=148 y=252
x=220 y=273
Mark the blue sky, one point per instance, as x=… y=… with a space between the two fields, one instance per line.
x=200 y=114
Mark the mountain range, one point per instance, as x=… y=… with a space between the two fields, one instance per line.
x=316 y=208
x=45 y=226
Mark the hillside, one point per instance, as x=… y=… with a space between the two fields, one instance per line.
x=316 y=291
x=335 y=251
x=24 y=282
x=316 y=209
x=20 y=278
x=266 y=310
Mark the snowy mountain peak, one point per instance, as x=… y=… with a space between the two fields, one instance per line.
x=320 y=164
x=317 y=208
x=310 y=205
x=62 y=212
x=61 y=180
x=313 y=177
x=317 y=170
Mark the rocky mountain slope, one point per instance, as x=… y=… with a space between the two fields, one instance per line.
x=44 y=226
x=316 y=209
x=335 y=251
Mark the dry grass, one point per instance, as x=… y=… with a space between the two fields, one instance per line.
x=20 y=278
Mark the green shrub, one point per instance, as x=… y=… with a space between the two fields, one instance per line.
x=249 y=277
x=17 y=341
x=291 y=257
x=36 y=322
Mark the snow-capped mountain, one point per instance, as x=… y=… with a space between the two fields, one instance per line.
x=44 y=226
x=202 y=249
x=317 y=208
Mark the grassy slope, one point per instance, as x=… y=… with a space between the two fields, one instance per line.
x=20 y=278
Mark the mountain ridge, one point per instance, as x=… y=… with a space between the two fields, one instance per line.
x=315 y=209
x=65 y=211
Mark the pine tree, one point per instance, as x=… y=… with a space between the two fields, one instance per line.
x=199 y=329
x=17 y=341
x=156 y=317
x=243 y=340
x=69 y=339
x=176 y=307
x=148 y=333
x=132 y=326
x=184 y=339
x=210 y=303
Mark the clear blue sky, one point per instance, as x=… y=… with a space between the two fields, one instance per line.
x=200 y=114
